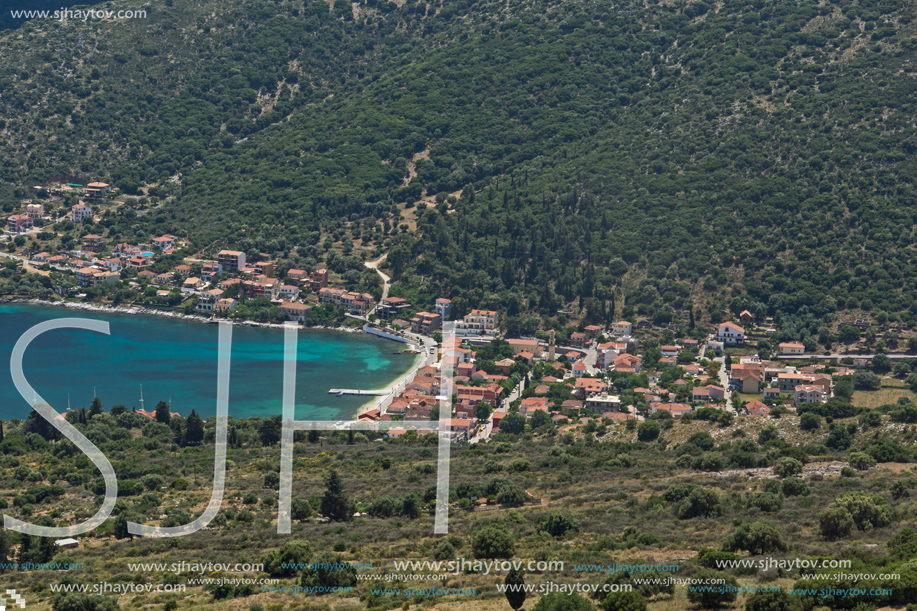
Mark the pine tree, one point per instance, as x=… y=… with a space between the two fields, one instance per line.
x=335 y=505
x=194 y=429
x=95 y=409
x=162 y=412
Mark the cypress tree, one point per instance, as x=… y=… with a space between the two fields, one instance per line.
x=515 y=596
x=335 y=505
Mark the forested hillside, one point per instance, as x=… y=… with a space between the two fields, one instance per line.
x=620 y=158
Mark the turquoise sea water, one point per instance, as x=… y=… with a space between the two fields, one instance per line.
x=178 y=360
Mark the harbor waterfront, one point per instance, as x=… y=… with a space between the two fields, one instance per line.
x=176 y=361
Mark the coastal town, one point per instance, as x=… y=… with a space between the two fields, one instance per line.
x=627 y=371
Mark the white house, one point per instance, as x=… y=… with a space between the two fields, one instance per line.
x=622 y=328
x=289 y=292
x=730 y=334
x=791 y=348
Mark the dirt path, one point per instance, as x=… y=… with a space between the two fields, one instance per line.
x=386 y=281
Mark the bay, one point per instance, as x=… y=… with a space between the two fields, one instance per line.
x=177 y=360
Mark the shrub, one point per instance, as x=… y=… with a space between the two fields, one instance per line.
x=676 y=492
x=327 y=573
x=793 y=486
x=493 y=541
x=702 y=440
x=835 y=523
x=867 y=510
x=558 y=601
x=300 y=510
x=757 y=538
x=511 y=495
x=768 y=433
x=809 y=421
x=710 y=558
x=444 y=551
x=772 y=601
x=861 y=461
x=787 y=467
x=384 y=507
x=767 y=502
x=624 y=601
x=711 y=597
x=290 y=553
x=152 y=481
x=559 y=523
x=701 y=502
x=708 y=462
x=492 y=466
x=648 y=430
x=839 y=438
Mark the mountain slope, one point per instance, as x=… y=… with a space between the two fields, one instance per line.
x=624 y=159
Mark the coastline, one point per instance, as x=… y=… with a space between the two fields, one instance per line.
x=379 y=402
x=383 y=401
x=88 y=307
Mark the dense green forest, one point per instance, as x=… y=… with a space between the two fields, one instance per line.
x=604 y=159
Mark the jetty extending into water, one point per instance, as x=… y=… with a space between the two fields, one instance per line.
x=357 y=391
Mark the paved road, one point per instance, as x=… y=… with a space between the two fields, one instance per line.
x=841 y=356
x=724 y=382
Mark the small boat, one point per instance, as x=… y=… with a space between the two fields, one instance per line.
x=340 y=392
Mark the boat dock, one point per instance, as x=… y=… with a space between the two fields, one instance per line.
x=357 y=391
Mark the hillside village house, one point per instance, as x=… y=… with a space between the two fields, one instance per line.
x=208 y=299
x=19 y=223
x=627 y=361
x=225 y=305
x=603 y=402
x=525 y=345
x=296 y=275
x=757 y=408
x=809 y=393
x=166 y=242
x=191 y=284
x=264 y=268
x=140 y=262
x=676 y=409
x=95 y=189
x=35 y=211
x=231 y=260
x=791 y=348
x=585 y=387
x=288 y=292
x=318 y=279
x=426 y=323
x=80 y=213
x=209 y=270
x=443 y=308
x=730 y=334
x=479 y=323
x=391 y=307
x=93 y=242
x=622 y=328
x=294 y=311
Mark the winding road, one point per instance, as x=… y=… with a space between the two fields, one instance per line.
x=386 y=281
